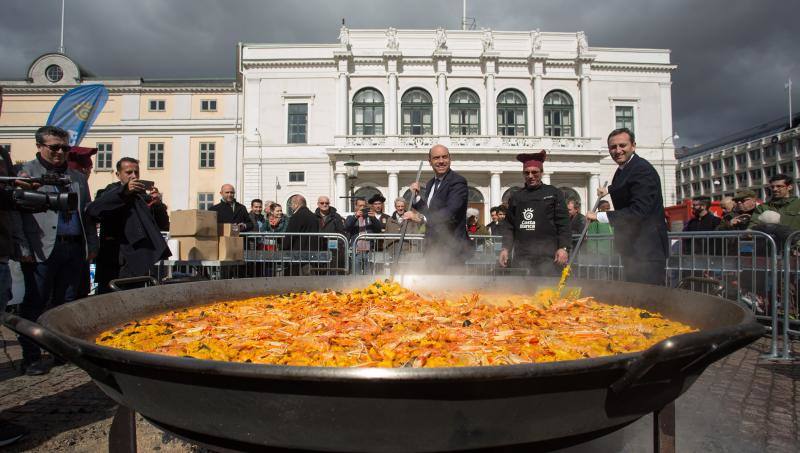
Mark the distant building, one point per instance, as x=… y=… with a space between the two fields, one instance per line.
x=746 y=159
x=383 y=97
x=182 y=131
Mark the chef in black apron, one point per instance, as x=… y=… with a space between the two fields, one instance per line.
x=536 y=234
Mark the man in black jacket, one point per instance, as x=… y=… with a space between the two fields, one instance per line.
x=444 y=205
x=537 y=223
x=640 y=232
x=231 y=211
x=131 y=222
x=301 y=221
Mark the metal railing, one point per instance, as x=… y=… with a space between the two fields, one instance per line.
x=751 y=267
x=285 y=254
x=790 y=291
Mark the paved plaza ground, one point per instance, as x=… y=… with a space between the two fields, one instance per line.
x=741 y=404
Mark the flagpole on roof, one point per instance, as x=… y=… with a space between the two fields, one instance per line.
x=61 y=45
x=788 y=86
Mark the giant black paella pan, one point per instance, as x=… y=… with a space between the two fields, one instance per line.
x=247 y=406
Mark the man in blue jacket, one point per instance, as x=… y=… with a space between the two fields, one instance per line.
x=444 y=205
x=640 y=232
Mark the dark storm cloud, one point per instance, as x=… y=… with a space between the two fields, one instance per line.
x=734 y=56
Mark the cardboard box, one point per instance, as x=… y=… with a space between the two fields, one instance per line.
x=194 y=248
x=227 y=230
x=193 y=222
x=231 y=248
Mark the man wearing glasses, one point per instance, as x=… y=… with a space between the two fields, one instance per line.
x=783 y=201
x=56 y=244
x=537 y=223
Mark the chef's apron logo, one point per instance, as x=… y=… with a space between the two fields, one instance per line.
x=527 y=223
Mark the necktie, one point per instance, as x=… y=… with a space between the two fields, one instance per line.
x=436 y=182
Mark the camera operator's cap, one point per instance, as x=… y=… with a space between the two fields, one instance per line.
x=377 y=197
x=741 y=194
x=80 y=157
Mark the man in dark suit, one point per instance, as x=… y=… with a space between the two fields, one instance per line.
x=640 y=232
x=444 y=205
x=301 y=221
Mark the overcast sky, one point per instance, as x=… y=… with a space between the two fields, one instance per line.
x=734 y=56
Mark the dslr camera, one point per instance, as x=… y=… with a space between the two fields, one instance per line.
x=35 y=201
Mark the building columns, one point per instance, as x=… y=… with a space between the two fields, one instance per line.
x=341 y=104
x=393 y=188
x=585 y=127
x=391 y=113
x=495 y=195
x=341 y=191
x=441 y=100
x=594 y=184
x=546 y=178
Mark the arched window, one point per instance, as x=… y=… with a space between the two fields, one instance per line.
x=464 y=113
x=507 y=194
x=474 y=195
x=368 y=112
x=407 y=193
x=417 y=112
x=570 y=194
x=558 y=114
x=511 y=113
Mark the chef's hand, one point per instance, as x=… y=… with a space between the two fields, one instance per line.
x=561 y=257
x=503 y=258
x=414 y=187
x=602 y=192
x=591 y=216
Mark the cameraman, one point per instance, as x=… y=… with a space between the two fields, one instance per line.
x=131 y=221
x=55 y=245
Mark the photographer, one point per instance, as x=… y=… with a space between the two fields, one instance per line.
x=362 y=221
x=131 y=221
x=55 y=245
x=746 y=202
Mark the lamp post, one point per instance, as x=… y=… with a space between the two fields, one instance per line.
x=672 y=137
x=351 y=169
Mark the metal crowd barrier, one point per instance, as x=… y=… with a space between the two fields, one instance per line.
x=791 y=291
x=374 y=253
x=290 y=254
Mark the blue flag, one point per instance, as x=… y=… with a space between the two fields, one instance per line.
x=76 y=111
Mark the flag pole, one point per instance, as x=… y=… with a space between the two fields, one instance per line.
x=61 y=45
x=788 y=86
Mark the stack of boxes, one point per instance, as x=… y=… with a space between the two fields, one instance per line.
x=201 y=238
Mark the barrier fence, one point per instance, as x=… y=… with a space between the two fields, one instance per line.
x=749 y=267
x=292 y=254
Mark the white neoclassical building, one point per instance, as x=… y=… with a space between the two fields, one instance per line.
x=383 y=97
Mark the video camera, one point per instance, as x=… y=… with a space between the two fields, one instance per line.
x=35 y=201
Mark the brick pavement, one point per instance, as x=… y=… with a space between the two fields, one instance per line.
x=741 y=404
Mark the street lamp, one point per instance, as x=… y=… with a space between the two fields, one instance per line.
x=673 y=137
x=351 y=169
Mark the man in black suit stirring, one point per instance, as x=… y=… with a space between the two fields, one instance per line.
x=444 y=205
x=640 y=232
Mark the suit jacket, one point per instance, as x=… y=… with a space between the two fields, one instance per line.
x=131 y=222
x=446 y=216
x=40 y=228
x=237 y=214
x=638 y=216
x=302 y=221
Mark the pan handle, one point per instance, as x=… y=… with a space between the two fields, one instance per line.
x=47 y=339
x=115 y=284
x=705 y=348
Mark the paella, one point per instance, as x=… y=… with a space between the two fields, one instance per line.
x=387 y=325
